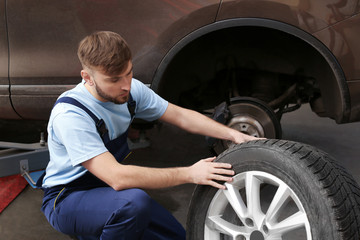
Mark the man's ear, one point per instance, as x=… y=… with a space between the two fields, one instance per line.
x=86 y=76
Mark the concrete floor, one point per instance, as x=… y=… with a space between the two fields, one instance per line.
x=23 y=220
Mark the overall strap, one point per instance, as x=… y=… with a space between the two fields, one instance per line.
x=75 y=102
x=131 y=104
x=100 y=124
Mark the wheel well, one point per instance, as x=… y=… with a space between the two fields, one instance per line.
x=253 y=61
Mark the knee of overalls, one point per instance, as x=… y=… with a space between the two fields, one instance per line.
x=138 y=207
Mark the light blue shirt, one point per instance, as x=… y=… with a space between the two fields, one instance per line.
x=72 y=134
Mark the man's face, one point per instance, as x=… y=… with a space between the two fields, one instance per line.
x=114 y=89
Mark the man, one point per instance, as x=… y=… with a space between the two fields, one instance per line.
x=88 y=192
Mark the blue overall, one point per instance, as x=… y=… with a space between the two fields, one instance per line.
x=89 y=209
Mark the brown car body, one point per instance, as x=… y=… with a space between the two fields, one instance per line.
x=193 y=53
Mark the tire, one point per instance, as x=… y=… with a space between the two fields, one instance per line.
x=294 y=191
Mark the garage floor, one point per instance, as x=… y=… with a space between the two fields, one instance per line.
x=22 y=219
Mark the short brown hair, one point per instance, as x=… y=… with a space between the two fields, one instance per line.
x=105 y=50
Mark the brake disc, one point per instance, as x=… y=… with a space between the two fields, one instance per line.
x=252 y=117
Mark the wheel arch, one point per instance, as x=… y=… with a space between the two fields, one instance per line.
x=334 y=91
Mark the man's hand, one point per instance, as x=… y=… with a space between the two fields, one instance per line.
x=240 y=137
x=206 y=171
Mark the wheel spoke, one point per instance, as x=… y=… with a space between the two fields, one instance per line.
x=233 y=196
x=295 y=221
x=252 y=185
x=219 y=224
x=281 y=195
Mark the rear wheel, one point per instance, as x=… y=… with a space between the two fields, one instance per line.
x=281 y=190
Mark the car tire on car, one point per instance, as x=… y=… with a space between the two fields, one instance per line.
x=281 y=190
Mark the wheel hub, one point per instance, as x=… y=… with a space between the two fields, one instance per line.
x=253 y=117
x=248 y=125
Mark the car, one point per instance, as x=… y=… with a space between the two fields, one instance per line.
x=263 y=58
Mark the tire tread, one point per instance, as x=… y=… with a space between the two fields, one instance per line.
x=338 y=184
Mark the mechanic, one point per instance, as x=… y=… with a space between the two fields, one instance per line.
x=88 y=192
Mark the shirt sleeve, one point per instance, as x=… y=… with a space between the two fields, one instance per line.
x=78 y=134
x=149 y=105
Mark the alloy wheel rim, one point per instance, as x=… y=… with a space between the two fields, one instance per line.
x=230 y=217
